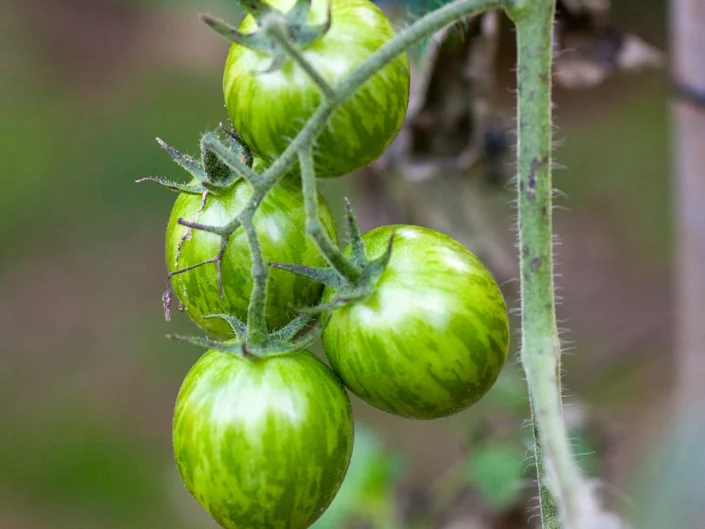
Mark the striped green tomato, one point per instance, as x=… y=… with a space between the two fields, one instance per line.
x=262 y=443
x=433 y=337
x=280 y=224
x=269 y=108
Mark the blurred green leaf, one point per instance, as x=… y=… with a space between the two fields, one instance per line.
x=368 y=489
x=496 y=470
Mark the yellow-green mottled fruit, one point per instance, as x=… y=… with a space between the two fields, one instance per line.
x=433 y=337
x=262 y=443
x=280 y=223
x=269 y=108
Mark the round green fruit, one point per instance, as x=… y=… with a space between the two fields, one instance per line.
x=433 y=337
x=269 y=108
x=280 y=224
x=262 y=443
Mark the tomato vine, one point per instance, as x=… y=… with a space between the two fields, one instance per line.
x=566 y=499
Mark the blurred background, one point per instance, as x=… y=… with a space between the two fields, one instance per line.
x=88 y=380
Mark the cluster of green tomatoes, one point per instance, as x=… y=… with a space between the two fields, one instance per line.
x=413 y=324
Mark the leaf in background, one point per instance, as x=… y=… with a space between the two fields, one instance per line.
x=496 y=470
x=369 y=488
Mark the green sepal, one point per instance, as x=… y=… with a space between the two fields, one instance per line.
x=346 y=292
x=230 y=347
x=237 y=325
x=326 y=276
x=305 y=341
x=247 y=156
x=231 y=161
x=288 y=338
x=216 y=169
x=176 y=186
x=305 y=35
x=279 y=57
x=301 y=32
x=254 y=41
x=356 y=243
x=258 y=8
x=298 y=14
x=376 y=268
x=338 y=302
x=294 y=24
x=184 y=161
x=291 y=329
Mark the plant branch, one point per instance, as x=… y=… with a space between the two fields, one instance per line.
x=315 y=229
x=256 y=322
x=277 y=30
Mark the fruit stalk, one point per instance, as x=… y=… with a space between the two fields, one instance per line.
x=328 y=248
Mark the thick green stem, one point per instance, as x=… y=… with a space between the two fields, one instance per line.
x=315 y=229
x=560 y=480
x=277 y=30
x=256 y=323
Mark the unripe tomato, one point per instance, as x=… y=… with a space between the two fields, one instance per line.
x=433 y=337
x=269 y=108
x=280 y=224
x=262 y=443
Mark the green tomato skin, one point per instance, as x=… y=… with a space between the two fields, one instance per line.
x=433 y=337
x=280 y=224
x=262 y=443
x=269 y=109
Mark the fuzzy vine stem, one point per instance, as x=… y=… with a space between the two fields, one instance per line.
x=328 y=248
x=563 y=494
x=277 y=30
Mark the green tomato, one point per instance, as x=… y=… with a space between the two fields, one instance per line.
x=262 y=443
x=280 y=224
x=268 y=109
x=433 y=337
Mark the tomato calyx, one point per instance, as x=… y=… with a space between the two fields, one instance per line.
x=297 y=335
x=220 y=167
x=215 y=172
x=272 y=26
x=348 y=290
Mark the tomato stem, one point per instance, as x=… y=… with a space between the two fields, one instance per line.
x=328 y=248
x=275 y=27
x=256 y=323
x=567 y=500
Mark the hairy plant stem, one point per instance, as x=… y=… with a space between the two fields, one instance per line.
x=314 y=228
x=560 y=481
